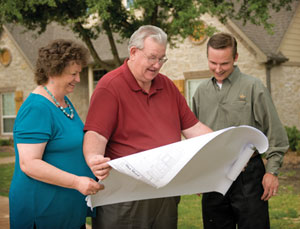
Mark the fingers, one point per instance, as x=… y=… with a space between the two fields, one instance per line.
x=268 y=194
x=99 y=162
x=270 y=184
x=94 y=187
x=100 y=167
x=101 y=174
x=88 y=186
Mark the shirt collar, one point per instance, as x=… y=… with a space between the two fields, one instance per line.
x=131 y=81
x=232 y=77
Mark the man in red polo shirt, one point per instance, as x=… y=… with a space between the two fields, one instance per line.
x=135 y=108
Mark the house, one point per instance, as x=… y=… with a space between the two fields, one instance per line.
x=275 y=59
x=19 y=55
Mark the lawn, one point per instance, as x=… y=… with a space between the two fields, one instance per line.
x=6 y=172
x=6 y=151
x=284 y=208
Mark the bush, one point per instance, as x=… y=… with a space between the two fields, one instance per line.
x=294 y=138
x=5 y=142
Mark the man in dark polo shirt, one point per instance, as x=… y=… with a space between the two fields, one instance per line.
x=135 y=108
x=231 y=98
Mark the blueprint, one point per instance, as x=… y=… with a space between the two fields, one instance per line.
x=210 y=162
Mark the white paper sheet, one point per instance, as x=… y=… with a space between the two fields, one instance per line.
x=206 y=163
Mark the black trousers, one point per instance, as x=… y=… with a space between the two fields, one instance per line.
x=143 y=214
x=241 y=207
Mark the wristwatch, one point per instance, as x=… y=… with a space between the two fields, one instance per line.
x=274 y=173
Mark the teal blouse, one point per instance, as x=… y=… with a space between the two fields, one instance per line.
x=35 y=202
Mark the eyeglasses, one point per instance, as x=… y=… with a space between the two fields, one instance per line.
x=154 y=59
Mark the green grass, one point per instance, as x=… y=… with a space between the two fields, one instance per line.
x=284 y=208
x=189 y=212
x=6 y=154
x=6 y=173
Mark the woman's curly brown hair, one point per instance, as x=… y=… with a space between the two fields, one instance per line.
x=53 y=58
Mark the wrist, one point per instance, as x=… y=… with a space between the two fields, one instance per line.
x=273 y=173
x=74 y=182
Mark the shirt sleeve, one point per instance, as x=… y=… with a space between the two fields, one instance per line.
x=102 y=114
x=196 y=102
x=33 y=124
x=267 y=118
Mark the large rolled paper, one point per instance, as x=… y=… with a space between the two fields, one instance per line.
x=210 y=162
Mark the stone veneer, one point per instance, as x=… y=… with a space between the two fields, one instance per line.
x=18 y=74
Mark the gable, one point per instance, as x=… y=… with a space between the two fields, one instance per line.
x=29 y=41
x=290 y=46
x=265 y=43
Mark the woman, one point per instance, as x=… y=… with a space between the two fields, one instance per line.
x=51 y=177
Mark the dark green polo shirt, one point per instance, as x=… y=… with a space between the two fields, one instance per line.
x=242 y=100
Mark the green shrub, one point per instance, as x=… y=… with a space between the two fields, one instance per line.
x=5 y=142
x=294 y=138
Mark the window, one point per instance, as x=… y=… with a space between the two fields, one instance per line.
x=97 y=74
x=192 y=80
x=8 y=112
x=191 y=86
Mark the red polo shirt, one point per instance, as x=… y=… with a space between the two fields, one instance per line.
x=133 y=120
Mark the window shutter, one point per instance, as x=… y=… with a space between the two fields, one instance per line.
x=180 y=85
x=18 y=100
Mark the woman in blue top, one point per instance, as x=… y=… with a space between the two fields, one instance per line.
x=51 y=177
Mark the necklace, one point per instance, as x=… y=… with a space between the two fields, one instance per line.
x=71 y=115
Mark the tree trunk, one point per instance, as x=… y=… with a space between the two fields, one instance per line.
x=86 y=39
x=112 y=43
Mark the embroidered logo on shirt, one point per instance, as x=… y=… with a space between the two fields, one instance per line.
x=242 y=97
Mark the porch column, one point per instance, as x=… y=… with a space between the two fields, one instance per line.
x=90 y=81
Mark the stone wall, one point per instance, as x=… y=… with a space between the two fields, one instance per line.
x=80 y=96
x=18 y=74
x=285 y=87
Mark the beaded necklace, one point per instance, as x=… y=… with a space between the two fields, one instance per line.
x=71 y=115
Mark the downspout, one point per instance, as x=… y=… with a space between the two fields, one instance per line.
x=273 y=60
x=268 y=76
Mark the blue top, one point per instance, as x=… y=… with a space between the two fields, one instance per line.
x=32 y=201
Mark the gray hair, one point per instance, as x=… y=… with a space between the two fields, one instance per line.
x=138 y=37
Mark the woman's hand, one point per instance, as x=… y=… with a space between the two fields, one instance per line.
x=86 y=185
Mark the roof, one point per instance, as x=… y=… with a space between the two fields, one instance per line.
x=267 y=43
x=257 y=37
x=29 y=41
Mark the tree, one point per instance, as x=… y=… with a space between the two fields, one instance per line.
x=178 y=18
